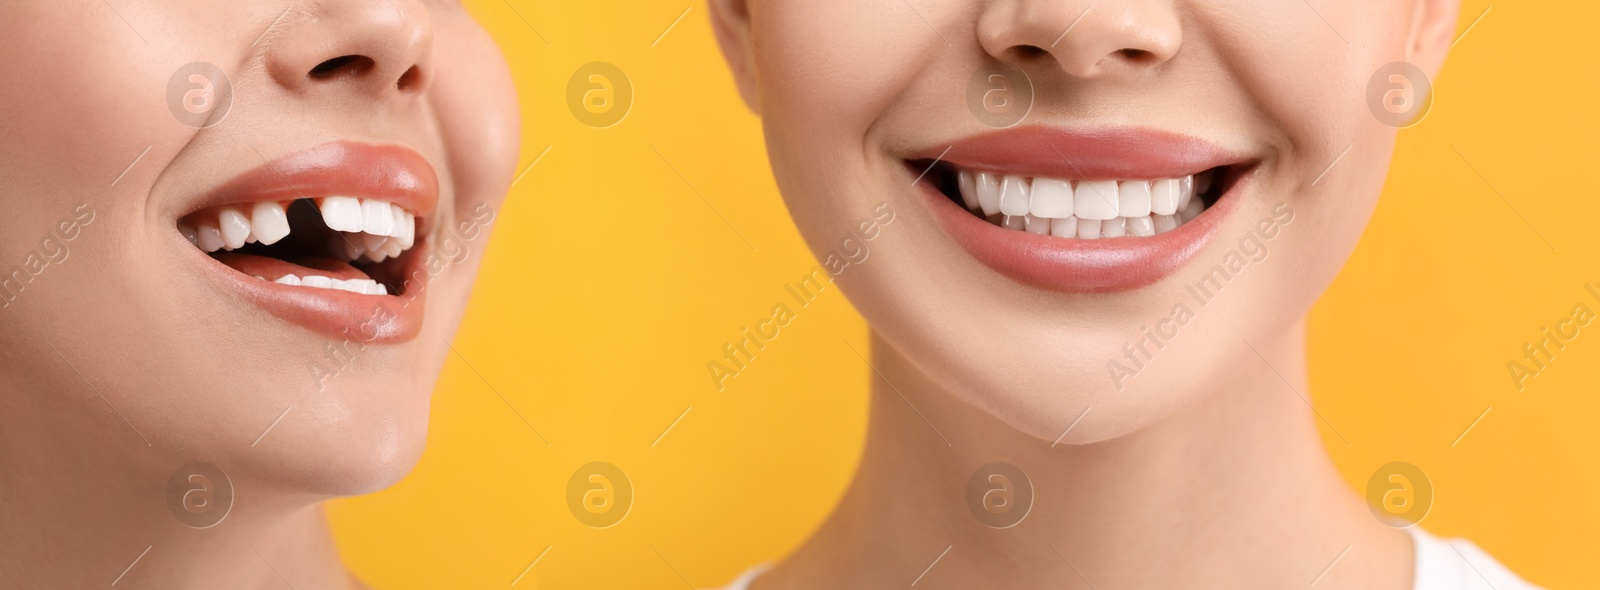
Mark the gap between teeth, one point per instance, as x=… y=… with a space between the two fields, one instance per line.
x=357 y=286
x=373 y=228
x=1084 y=209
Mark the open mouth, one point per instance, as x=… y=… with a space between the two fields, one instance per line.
x=352 y=244
x=332 y=238
x=1081 y=209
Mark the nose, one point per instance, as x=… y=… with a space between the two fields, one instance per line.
x=380 y=49
x=1085 y=38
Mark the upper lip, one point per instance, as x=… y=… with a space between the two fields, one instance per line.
x=1083 y=154
x=391 y=173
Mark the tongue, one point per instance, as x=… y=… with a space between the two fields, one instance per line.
x=273 y=269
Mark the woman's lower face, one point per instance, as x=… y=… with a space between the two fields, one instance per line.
x=242 y=234
x=239 y=241
x=1107 y=205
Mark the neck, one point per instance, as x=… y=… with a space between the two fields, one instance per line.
x=85 y=505
x=1233 y=491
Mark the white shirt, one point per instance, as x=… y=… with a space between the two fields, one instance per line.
x=1449 y=564
x=1457 y=564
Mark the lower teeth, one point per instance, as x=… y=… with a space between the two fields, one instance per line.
x=357 y=286
x=1089 y=229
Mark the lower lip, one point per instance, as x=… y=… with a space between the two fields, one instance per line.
x=1106 y=265
x=339 y=315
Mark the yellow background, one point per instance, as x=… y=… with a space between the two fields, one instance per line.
x=612 y=279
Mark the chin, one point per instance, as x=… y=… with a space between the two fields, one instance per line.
x=363 y=461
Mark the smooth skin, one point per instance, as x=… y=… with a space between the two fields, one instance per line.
x=122 y=362
x=1207 y=470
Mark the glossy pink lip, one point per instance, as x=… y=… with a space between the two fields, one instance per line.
x=392 y=173
x=1084 y=266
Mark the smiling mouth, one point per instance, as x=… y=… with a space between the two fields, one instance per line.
x=332 y=237
x=1081 y=209
x=352 y=244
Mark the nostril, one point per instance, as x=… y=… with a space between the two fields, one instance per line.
x=409 y=78
x=1029 y=51
x=346 y=64
x=1136 y=55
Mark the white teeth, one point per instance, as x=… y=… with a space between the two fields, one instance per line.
x=1165 y=223
x=1037 y=225
x=372 y=243
x=1134 y=198
x=1085 y=209
x=988 y=193
x=269 y=222
x=1064 y=228
x=1192 y=210
x=1164 y=196
x=376 y=218
x=1143 y=227
x=375 y=248
x=1014 y=196
x=235 y=228
x=209 y=236
x=969 y=189
x=349 y=244
x=357 y=286
x=1114 y=228
x=342 y=213
x=375 y=228
x=1095 y=200
x=1088 y=229
x=397 y=220
x=1051 y=198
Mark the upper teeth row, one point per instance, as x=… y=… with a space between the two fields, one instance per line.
x=1097 y=200
x=371 y=216
x=233 y=226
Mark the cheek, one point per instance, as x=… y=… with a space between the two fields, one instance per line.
x=76 y=115
x=837 y=66
x=1332 y=151
x=826 y=72
x=479 y=120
